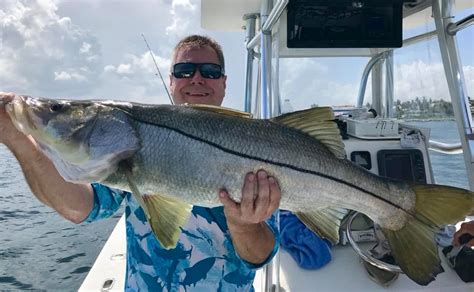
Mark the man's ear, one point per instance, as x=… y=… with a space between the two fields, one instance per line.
x=171 y=80
x=225 y=81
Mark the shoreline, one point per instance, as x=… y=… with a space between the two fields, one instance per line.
x=428 y=119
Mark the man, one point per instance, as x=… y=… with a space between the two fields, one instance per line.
x=466 y=230
x=219 y=248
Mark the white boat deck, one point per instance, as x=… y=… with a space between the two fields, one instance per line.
x=344 y=273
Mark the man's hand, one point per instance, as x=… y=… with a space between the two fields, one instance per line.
x=8 y=132
x=466 y=228
x=252 y=238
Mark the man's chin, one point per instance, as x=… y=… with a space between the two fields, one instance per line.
x=200 y=99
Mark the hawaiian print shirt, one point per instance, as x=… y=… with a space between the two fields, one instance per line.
x=203 y=260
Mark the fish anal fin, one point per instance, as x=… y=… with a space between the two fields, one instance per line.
x=220 y=110
x=318 y=122
x=166 y=216
x=324 y=222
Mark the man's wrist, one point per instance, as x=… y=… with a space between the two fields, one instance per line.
x=22 y=146
x=246 y=228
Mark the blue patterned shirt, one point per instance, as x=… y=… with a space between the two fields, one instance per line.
x=203 y=260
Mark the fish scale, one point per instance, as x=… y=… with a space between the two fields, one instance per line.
x=175 y=161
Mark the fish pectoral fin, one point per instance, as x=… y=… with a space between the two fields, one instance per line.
x=324 y=222
x=413 y=246
x=318 y=122
x=166 y=216
x=220 y=110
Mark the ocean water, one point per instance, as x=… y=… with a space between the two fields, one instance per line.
x=447 y=169
x=39 y=250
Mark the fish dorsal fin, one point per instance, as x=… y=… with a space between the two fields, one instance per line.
x=165 y=215
x=220 y=110
x=318 y=122
x=324 y=222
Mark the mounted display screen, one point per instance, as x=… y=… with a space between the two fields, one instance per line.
x=344 y=24
x=407 y=165
x=362 y=158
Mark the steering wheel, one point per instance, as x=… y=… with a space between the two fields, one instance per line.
x=368 y=256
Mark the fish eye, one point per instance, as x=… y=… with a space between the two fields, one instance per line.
x=56 y=107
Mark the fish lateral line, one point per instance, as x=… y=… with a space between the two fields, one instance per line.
x=281 y=164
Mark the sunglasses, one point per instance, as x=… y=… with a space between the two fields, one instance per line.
x=207 y=70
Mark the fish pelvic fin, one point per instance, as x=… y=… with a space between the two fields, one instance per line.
x=318 y=122
x=324 y=222
x=164 y=214
x=167 y=215
x=413 y=246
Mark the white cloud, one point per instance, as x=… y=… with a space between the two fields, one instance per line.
x=43 y=49
x=419 y=79
x=124 y=69
x=51 y=48
x=308 y=81
x=85 y=48
x=138 y=76
x=185 y=17
x=139 y=65
x=65 y=76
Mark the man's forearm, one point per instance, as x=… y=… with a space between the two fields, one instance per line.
x=254 y=243
x=72 y=201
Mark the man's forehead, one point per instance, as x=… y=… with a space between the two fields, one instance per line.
x=197 y=55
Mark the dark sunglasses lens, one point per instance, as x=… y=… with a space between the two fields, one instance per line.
x=211 y=71
x=184 y=70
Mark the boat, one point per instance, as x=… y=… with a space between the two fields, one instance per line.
x=381 y=143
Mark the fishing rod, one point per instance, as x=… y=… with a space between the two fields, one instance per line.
x=158 y=69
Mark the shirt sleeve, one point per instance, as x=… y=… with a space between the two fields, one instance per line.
x=106 y=202
x=274 y=224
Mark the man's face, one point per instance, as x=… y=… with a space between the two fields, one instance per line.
x=197 y=89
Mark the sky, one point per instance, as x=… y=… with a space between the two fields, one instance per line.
x=89 y=49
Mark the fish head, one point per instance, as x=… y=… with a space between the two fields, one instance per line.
x=86 y=140
x=59 y=124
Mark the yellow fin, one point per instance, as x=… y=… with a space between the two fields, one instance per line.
x=317 y=122
x=413 y=246
x=415 y=251
x=324 y=222
x=220 y=110
x=443 y=204
x=133 y=187
x=167 y=215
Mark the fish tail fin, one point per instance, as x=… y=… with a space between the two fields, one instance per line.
x=413 y=246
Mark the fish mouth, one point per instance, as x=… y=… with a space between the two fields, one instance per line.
x=21 y=113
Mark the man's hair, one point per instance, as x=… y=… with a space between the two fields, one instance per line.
x=198 y=42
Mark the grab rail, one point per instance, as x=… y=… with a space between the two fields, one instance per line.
x=454 y=148
x=453 y=28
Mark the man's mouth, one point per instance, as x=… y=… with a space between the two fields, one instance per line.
x=197 y=94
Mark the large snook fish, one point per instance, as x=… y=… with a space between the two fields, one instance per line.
x=173 y=156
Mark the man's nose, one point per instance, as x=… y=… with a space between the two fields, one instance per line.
x=197 y=78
